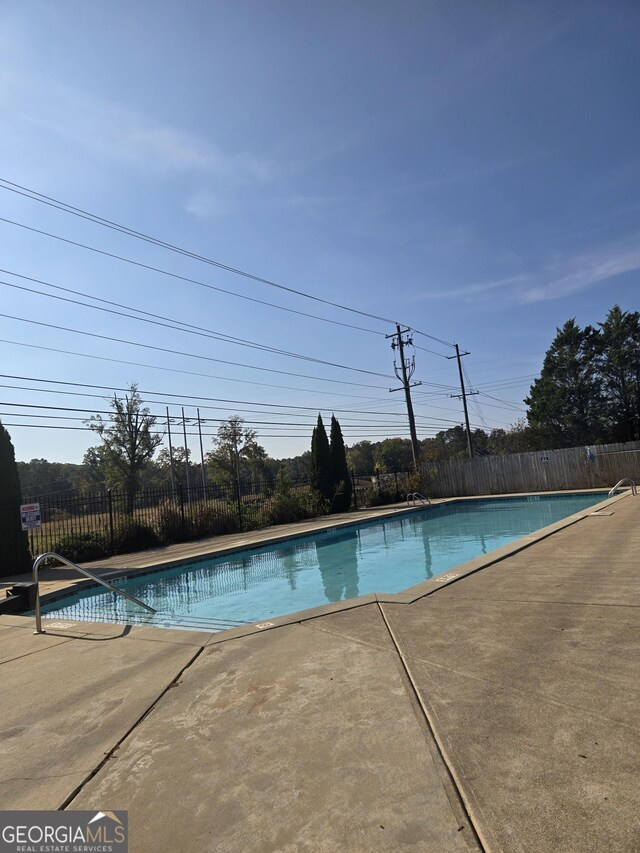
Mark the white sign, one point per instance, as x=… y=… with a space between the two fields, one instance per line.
x=30 y=516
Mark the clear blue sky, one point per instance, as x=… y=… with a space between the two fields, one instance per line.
x=469 y=169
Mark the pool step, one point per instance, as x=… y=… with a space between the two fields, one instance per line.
x=159 y=620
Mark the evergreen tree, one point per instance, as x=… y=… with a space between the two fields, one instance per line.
x=618 y=368
x=322 y=479
x=342 y=481
x=566 y=403
x=14 y=548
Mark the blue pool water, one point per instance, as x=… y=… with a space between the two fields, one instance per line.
x=381 y=556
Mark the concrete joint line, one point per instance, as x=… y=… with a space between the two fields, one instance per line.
x=37 y=651
x=74 y=793
x=38 y=778
x=456 y=783
x=357 y=640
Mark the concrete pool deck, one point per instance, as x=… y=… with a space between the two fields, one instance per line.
x=497 y=711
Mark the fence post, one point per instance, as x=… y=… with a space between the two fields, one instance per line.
x=353 y=490
x=111 y=533
x=239 y=503
x=395 y=474
x=182 y=519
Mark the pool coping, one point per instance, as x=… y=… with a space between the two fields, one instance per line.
x=408 y=596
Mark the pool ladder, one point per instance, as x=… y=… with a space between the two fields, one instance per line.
x=51 y=555
x=634 y=491
x=414 y=497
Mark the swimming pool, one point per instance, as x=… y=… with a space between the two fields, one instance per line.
x=386 y=555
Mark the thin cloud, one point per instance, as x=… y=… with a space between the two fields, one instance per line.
x=579 y=273
x=114 y=132
x=562 y=278
x=472 y=290
x=204 y=205
x=504 y=49
x=488 y=170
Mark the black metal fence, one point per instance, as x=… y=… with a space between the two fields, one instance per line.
x=94 y=526
x=97 y=525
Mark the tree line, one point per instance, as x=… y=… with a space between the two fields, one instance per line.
x=588 y=392
x=589 y=389
x=364 y=458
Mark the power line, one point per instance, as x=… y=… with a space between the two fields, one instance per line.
x=474 y=402
x=221 y=337
x=170 y=324
x=356 y=435
x=347 y=423
x=427 y=422
x=497 y=382
x=384 y=403
x=446 y=409
x=267 y=430
x=431 y=338
x=161 y=349
x=165 y=394
x=203 y=375
x=508 y=403
x=64 y=207
x=432 y=351
x=180 y=277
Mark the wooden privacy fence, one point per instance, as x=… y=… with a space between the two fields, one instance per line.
x=572 y=468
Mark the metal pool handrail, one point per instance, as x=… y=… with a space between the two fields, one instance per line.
x=413 y=496
x=634 y=491
x=86 y=573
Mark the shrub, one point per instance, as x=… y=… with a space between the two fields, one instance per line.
x=82 y=547
x=253 y=517
x=131 y=535
x=316 y=504
x=285 y=508
x=214 y=519
x=169 y=524
x=413 y=483
x=378 y=497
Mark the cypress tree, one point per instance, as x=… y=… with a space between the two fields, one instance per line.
x=342 y=480
x=14 y=548
x=322 y=479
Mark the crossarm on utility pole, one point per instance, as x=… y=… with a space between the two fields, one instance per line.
x=405 y=378
x=464 y=394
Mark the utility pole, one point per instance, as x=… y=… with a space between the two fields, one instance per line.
x=204 y=476
x=404 y=374
x=463 y=395
x=173 y=484
x=186 y=457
